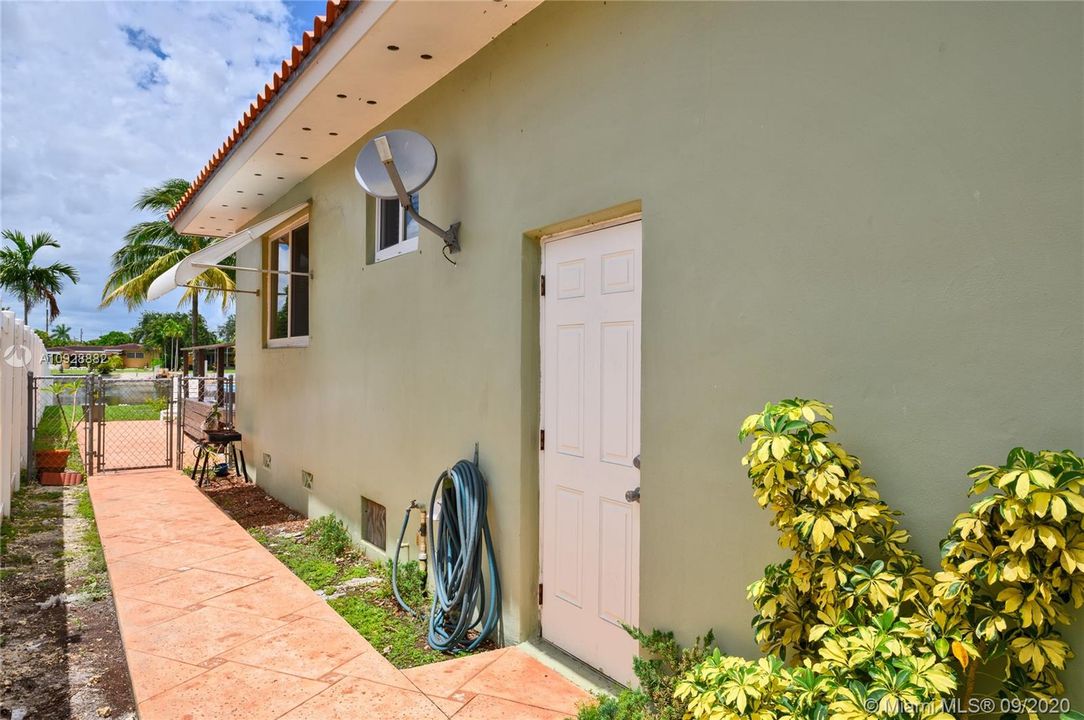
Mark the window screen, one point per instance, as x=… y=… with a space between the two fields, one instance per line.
x=288 y=295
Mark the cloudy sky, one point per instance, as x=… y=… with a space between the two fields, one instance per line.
x=99 y=100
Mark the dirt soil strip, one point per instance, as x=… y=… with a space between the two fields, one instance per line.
x=61 y=655
x=251 y=507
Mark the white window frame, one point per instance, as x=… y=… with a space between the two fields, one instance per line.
x=405 y=244
x=270 y=288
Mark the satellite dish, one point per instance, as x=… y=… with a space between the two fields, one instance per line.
x=415 y=159
x=396 y=164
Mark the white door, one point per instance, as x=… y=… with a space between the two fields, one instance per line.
x=591 y=421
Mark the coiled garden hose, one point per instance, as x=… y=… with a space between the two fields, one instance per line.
x=460 y=601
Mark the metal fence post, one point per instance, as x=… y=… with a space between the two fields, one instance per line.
x=88 y=418
x=178 y=420
x=174 y=413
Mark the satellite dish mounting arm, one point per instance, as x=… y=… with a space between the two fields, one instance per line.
x=449 y=236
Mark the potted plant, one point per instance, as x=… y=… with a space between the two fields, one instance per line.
x=52 y=451
x=213 y=421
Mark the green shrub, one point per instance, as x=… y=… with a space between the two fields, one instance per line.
x=868 y=668
x=658 y=673
x=329 y=535
x=107 y=366
x=664 y=666
x=628 y=705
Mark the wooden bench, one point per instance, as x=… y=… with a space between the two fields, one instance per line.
x=194 y=414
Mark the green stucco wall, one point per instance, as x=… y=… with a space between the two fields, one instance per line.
x=877 y=205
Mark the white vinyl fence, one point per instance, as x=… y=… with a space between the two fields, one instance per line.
x=21 y=352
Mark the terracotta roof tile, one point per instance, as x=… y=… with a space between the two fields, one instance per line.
x=310 y=40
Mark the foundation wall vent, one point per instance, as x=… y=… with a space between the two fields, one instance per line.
x=374 y=527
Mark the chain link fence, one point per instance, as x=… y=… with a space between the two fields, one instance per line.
x=105 y=422
x=122 y=423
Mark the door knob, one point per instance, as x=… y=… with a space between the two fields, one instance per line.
x=636 y=462
x=633 y=496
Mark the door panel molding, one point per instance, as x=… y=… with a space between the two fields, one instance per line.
x=589 y=330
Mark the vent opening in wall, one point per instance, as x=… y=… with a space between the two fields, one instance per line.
x=306 y=479
x=374 y=523
x=267 y=460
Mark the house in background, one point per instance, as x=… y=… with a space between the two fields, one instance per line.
x=134 y=355
x=877 y=205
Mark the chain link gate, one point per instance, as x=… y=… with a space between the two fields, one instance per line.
x=129 y=423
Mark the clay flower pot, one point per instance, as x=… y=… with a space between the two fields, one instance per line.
x=51 y=460
x=61 y=478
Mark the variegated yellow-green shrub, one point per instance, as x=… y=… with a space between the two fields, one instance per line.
x=862 y=671
x=842 y=610
x=848 y=548
x=1013 y=571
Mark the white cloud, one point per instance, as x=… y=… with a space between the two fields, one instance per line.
x=99 y=100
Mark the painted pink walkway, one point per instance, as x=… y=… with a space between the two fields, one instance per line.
x=215 y=628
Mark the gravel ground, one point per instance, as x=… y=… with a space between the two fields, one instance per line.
x=61 y=655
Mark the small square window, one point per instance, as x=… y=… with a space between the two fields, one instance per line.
x=396 y=230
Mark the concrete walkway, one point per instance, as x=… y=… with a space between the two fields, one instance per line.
x=215 y=628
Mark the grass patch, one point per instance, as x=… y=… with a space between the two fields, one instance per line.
x=358 y=571
x=7 y=532
x=51 y=421
x=317 y=570
x=389 y=632
x=316 y=573
x=95 y=579
x=142 y=411
x=323 y=557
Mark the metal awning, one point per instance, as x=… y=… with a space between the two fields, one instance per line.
x=183 y=273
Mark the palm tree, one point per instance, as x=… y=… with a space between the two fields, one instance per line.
x=171 y=334
x=152 y=247
x=62 y=334
x=29 y=282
